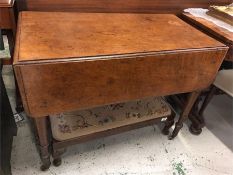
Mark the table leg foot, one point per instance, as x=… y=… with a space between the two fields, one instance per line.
x=45 y=164
x=194 y=130
x=41 y=126
x=196 y=126
x=57 y=161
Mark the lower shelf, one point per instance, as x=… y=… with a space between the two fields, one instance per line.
x=80 y=123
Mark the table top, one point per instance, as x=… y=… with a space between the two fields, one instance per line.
x=59 y=35
x=219 y=32
x=6 y=3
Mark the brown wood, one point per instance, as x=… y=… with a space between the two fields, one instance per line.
x=80 y=35
x=5 y=19
x=185 y=113
x=130 y=63
x=119 y=6
x=7 y=16
x=225 y=37
x=213 y=30
x=41 y=126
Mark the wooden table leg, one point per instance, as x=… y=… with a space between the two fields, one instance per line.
x=41 y=126
x=188 y=106
x=195 y=127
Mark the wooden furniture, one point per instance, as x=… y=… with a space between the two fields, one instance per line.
x=117 y=6
x=223 y=36
x=8 y=129
x=114 y=6
x=213 y=30
x=95 y=59
x=7 y=17
x=8 y=20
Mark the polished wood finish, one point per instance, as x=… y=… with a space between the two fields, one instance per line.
x=79 y=35
x=213 y=30
x=124 y=71
x=119 y=6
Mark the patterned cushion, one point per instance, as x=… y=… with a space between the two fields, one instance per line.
x=69 y=125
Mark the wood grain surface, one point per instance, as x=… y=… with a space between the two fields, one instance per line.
x=50 y=88
x=77 y=35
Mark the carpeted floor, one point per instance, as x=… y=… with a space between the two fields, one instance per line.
x=140 y=152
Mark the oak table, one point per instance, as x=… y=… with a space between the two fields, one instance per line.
x=222 y=35
x=70 y=61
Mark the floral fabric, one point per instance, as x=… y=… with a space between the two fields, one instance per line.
x=83 y=122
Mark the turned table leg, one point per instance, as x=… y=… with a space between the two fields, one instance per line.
x=41 y=125
x=188 y=106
